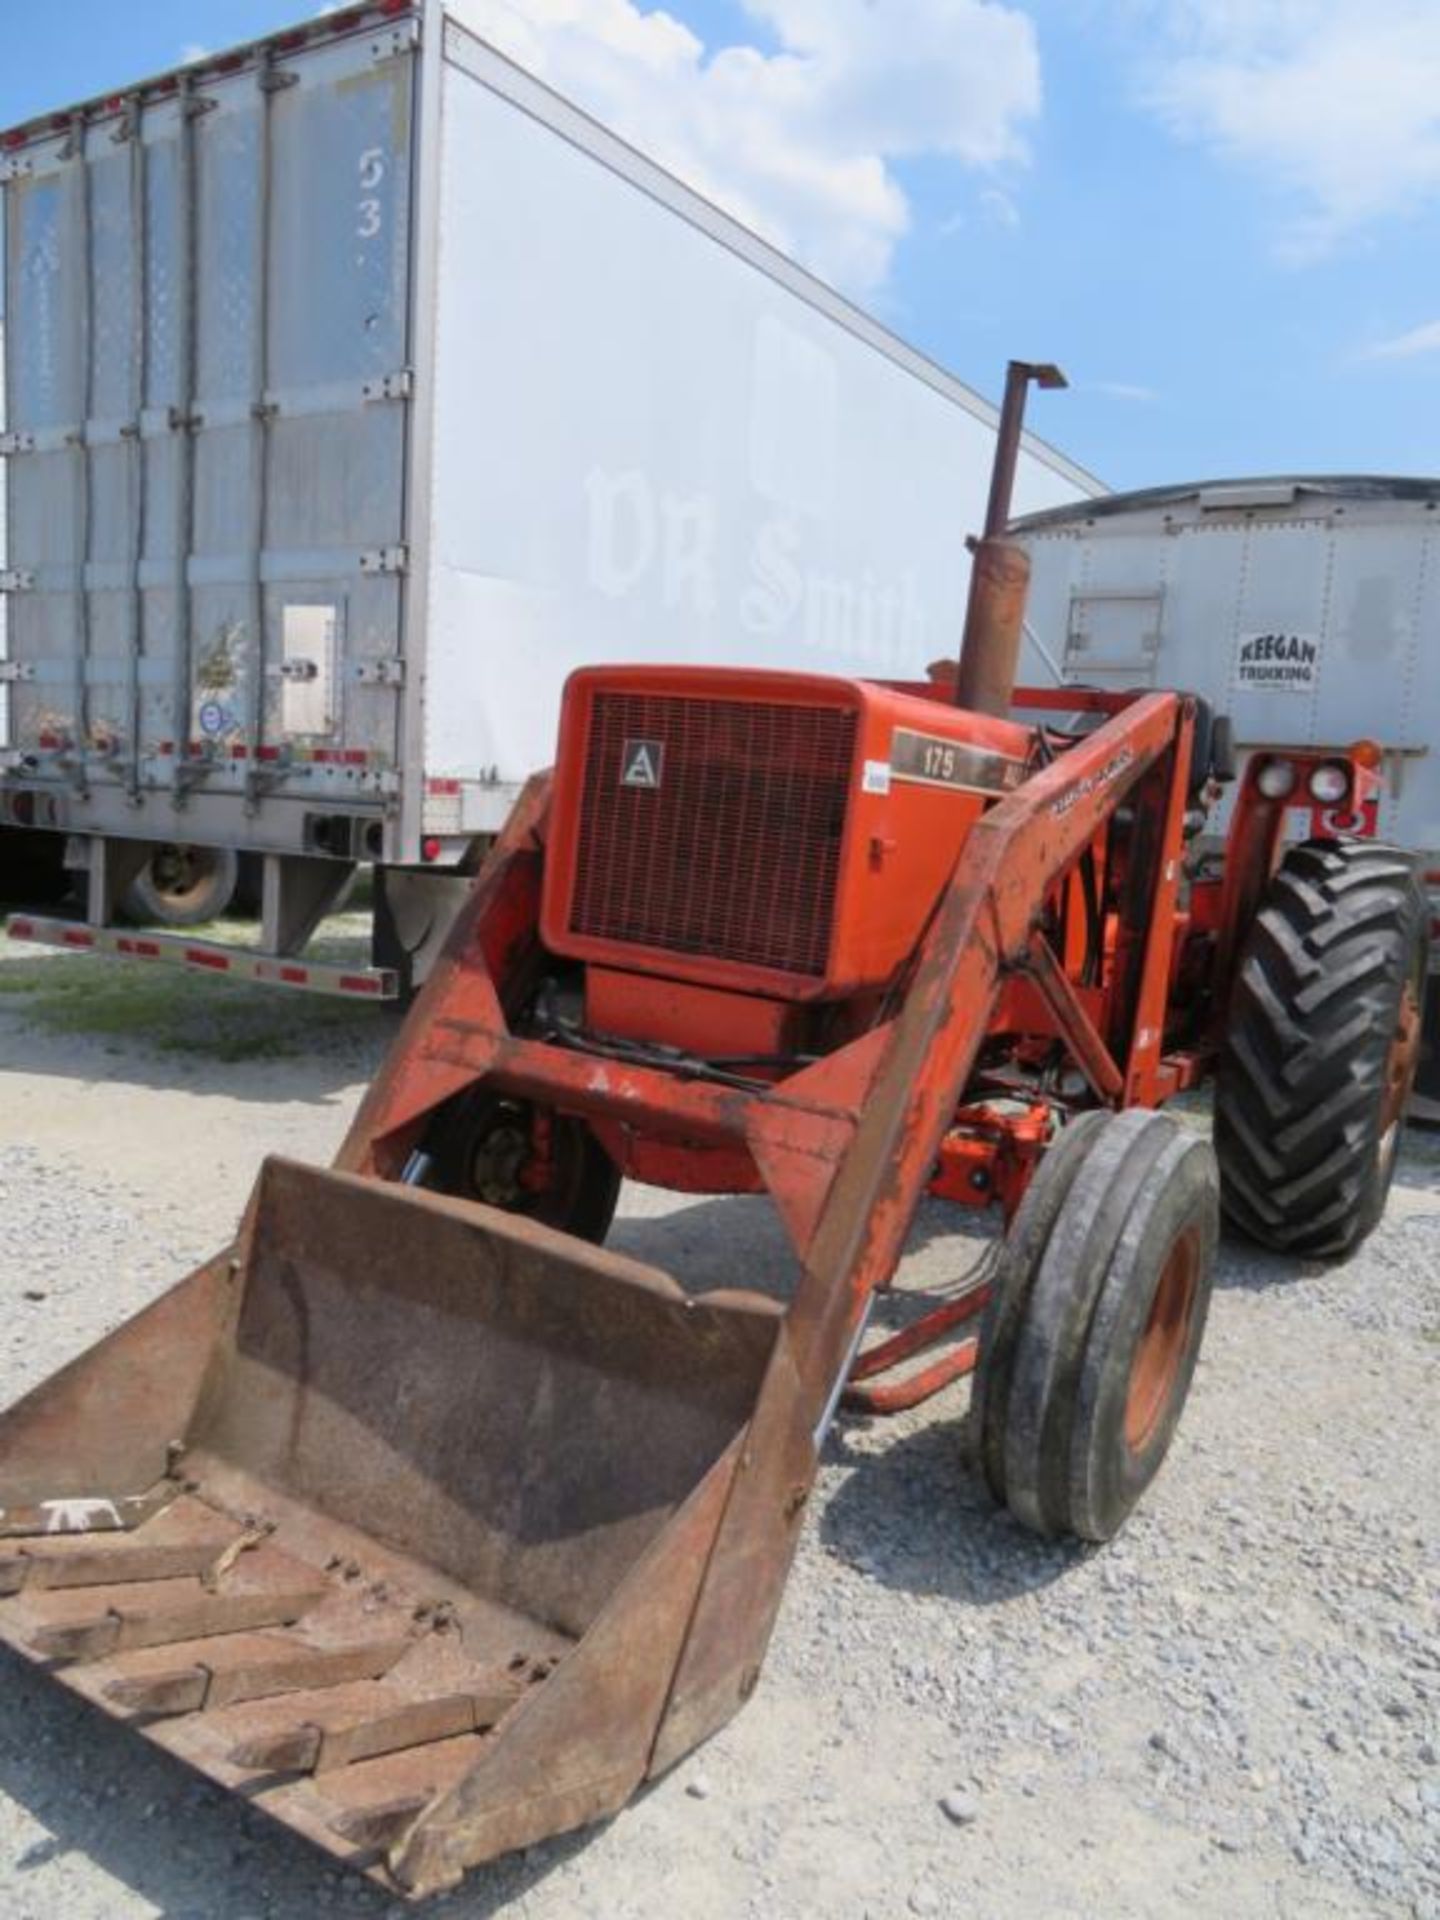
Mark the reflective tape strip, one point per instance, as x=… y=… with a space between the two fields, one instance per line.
x=240 y=963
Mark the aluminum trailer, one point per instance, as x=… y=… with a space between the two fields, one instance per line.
x=357 y=387
x=1306 y=608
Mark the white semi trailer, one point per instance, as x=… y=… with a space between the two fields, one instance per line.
x=1306 y=609
x=356 y=388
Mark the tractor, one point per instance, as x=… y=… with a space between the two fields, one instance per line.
x=434 y=1527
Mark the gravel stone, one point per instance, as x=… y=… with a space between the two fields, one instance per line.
x=961 y=1808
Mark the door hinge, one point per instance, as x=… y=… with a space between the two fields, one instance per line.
x=16 y=580
x=17 y=443
x=384 y=560
x=398 y=40
x=380 y=673
x=17 y=670
x=389 y=386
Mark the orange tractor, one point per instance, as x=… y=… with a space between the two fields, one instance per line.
x=433 y=1527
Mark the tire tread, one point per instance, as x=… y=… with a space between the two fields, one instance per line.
x=1301 y=1079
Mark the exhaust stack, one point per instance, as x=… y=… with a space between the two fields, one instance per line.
x=1000 y=575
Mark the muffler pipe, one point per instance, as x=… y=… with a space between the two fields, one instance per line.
x=1000 y=569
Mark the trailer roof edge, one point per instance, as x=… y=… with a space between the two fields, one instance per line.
x=1240 y=494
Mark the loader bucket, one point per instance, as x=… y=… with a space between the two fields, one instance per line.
x=393 y=1520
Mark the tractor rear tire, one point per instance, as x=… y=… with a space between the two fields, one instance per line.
x=1321 y=1048
x=1103 y=1297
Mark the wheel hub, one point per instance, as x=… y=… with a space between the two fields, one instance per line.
x=500 y=1155
x=175 y=869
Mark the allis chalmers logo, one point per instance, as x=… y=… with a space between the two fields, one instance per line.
x=1288 y=662
x=641 y=763
x=1082 y=789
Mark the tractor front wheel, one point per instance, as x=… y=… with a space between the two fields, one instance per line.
x=1095 y=1323
x=1321 y=1048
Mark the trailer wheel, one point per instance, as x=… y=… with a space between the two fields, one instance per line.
x=1321 y=1048
x=182 y=886
x=1108 y=1287
x=486 y=1149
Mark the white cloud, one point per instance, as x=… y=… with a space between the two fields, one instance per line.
x=1334 y=102
x=1123 y=390
x=1404 y=346
x=801 y=142
x=999 y=207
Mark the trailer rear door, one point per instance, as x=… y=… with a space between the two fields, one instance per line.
x=206 y=288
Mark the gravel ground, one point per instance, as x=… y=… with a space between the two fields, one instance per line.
x=1234 y=1709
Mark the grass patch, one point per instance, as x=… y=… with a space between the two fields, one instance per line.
x=176 y=1011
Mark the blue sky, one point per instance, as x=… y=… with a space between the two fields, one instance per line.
x=1221 y=216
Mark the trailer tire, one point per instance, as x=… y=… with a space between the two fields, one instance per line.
x=182 y=886
x=1321 y=1047
x=1114 y=1312
x=479 y=1148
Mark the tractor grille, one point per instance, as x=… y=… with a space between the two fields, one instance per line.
x=734 y=854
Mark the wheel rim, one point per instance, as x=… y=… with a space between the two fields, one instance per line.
x=178 y=872
x=506 y=1169
x=496 y=1161
x=1400 y=1065
x=1161 y=1347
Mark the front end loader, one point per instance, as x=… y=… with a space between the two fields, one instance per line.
x=433 y=1527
